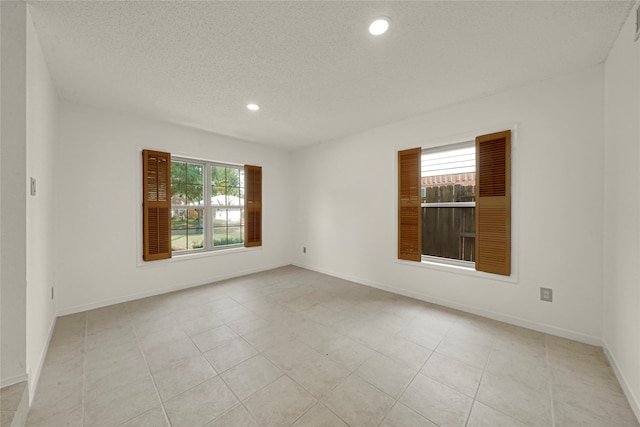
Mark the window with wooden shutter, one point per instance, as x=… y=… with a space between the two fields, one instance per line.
x=253 y=206
x=156 y=205
x=493 y=203
x=409 y=210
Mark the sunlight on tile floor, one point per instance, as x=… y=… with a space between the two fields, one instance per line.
x=292 y=347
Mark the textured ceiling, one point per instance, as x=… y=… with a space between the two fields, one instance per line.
x=312 y=66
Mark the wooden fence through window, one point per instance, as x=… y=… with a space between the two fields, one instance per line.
x=449 y=232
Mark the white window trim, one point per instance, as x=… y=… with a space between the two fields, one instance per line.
x=448 y=261
x=440 y=264
x=459 y=269
x=194 y=255
x=449 y=205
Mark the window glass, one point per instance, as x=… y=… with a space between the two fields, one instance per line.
x=227 y=199
x=195 y=204
x=448 y=202
x=449 y=233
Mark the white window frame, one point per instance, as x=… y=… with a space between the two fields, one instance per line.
x=208 y=208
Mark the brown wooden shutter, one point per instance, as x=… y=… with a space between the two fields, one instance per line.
x=409 y=217
x=156 y=205
x=493 y=203
x=253 y=206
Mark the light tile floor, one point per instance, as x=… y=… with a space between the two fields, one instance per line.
x=10 y=403
x=291 y=347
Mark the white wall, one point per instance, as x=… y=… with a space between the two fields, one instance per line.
x=13 y=190
x=346 y=206
x=41 y=133
x=98 y=215
x=621 y=296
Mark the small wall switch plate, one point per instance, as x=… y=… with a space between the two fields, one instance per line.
x=33 y=186
x=546 y=294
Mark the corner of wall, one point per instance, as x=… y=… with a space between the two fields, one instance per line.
x=41 y=135
x=634 y=402
x=34 y=376
x=621 y=276
x=13 y=158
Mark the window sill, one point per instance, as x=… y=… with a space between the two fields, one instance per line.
x=458 y=269
x=196 y=255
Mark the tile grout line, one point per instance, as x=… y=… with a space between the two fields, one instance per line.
x=484 y=369
x=144 y=357
x=413 y=379
x=318 y=400
x=219 y=374
x=240 y=402
x=329 y=409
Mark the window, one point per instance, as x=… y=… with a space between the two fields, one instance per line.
x=448 y=183
x=227 y=200
x=206 y=207
x=455 y=203
x=187 y=205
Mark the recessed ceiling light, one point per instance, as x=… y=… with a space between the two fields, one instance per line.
x=379 y=26
x=253 y=107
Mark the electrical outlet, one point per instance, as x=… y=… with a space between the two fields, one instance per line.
x=33 y=187
x=546 y=294
x=304 y=250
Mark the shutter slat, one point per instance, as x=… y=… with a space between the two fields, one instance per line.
x=409 y=215
x=253 y=206
x=493 y=203
x=491 y=168
x=164 y=177
x=156 y=206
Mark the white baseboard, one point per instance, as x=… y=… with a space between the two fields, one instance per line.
x=160 y=291
x=548 y=329
x=628 y=392
x=20 y=417
x=6 y=382
x=35 y=377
